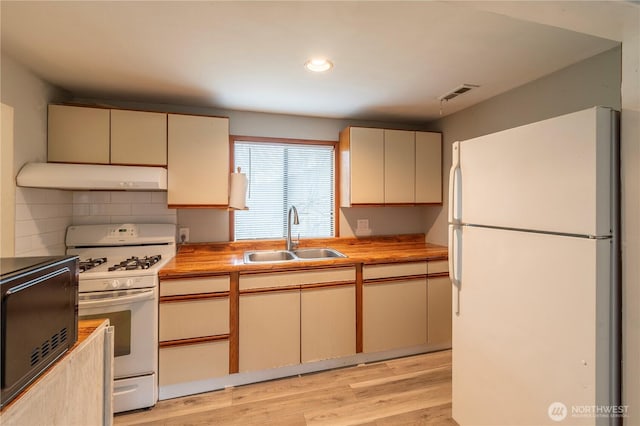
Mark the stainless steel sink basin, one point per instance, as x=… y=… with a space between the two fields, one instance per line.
x=317 y=253
x=268 y=256
x=274 y=256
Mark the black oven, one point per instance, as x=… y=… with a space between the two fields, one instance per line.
x=38 y=317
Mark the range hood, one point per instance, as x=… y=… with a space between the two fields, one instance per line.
x=92 y=176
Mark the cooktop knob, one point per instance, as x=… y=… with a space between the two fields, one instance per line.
x=114 y=284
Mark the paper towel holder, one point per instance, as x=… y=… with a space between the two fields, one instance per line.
x=231 y=189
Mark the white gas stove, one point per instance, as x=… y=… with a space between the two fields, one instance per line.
x=118 y=280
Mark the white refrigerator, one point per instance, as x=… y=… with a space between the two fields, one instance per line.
x=534 y=262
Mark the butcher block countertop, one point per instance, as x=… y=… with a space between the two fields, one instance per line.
x=203 y=259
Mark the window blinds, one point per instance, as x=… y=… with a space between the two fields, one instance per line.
x=282 y=175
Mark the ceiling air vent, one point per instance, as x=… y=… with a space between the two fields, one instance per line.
x=457 y=92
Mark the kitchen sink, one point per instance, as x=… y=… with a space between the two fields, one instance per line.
x=317 y=253
x=275 y=256
x=268 y=256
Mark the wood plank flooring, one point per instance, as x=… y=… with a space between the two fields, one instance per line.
x=406 y=391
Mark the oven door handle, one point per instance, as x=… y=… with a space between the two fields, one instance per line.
x=110 y=301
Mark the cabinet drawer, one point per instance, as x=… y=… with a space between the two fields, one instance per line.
x=284 y=279
x=438 y=267
x=194 y=285
x=394 y=270
x=188 y=363
x=194 y=318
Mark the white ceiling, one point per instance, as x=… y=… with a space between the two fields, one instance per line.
x=392 y=59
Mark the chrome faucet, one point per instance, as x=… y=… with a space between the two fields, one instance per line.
x=296 y=221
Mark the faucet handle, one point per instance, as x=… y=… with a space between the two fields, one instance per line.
x=296 y=243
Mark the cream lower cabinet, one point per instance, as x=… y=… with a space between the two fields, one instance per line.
x=300 y=316
x=269 y=330
x=193 y=329
x=439 y=303
x=394 y=306
x=328 y=322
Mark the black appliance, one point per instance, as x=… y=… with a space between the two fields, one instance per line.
x=38 y=317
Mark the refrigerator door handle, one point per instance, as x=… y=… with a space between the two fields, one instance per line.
x=454 y=185
x=455 y=263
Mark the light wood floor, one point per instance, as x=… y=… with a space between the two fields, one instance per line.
x=407 y=391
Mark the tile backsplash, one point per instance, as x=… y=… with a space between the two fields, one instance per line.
x=42 y=217
x=93 y=207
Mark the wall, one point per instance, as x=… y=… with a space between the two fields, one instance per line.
x=594 y=81
x=213 y=225
x=630 y=159
x=41 y=216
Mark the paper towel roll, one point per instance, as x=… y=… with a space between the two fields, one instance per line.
x=238 y=190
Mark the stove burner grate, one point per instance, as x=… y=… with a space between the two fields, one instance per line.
x=85 y=265
x=135 y=262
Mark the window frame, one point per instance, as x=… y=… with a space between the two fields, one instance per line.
x=288 y=141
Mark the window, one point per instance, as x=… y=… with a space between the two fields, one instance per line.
x=282 y=174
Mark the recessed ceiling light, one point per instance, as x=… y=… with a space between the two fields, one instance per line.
x=318 y=65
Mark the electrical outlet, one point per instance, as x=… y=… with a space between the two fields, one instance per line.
x=362 y=228
x=184 y=235
x=362 y=224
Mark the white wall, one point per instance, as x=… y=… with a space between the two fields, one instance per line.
x=41 y=216
x=594 y=81
x=630 y=159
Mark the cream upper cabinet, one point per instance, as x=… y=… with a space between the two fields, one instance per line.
x=362 y=159
x=197 y=161
x=78 y=134
x=428 y=167
x=138 y=137
x=389 y=167
x=399 y=166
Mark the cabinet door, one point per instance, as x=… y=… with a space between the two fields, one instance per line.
x=394 y=314
x=439 y=310
x=428 y=167
x=138 y=137
x=269 y=330
x=78 y=134
x=367 y=165
x=399 y=166
x=198 y=161
x=328 y=321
